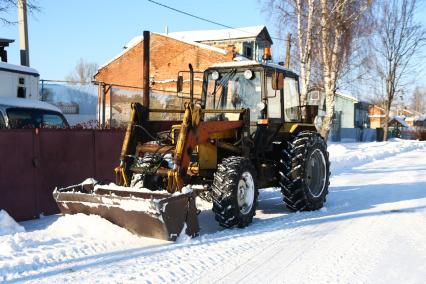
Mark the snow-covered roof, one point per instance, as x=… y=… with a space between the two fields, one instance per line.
x=401 y=120
x=345 y=95
x=27 y=103
x=138 y=39
x=18 y=69
x=243 y=63
x=222 y=34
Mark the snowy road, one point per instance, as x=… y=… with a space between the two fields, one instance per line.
x=372 y=230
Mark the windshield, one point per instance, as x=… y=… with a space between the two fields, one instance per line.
x=234 y=90
x=35 y=118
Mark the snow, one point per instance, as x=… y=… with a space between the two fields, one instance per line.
x=349 y=155
x=401 y=120
x=245 y=63
x=8 y=226
x=371 y=230
x=18 y=68
x=27 y=103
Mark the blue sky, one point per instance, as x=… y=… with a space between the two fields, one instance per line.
x=96 y=30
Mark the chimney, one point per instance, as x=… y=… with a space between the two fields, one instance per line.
x=231 y=53
x=23 y=33
x=4 y=42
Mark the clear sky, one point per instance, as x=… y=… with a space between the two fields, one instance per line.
x=97 y=30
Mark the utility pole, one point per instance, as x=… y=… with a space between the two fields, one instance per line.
x=23 y=33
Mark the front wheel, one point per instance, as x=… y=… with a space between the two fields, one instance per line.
x=304 y=172
x=234 y=192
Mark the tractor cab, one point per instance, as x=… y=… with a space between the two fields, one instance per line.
x=270 y=91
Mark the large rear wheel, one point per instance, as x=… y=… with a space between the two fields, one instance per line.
x=304 y=172
x=234 y=192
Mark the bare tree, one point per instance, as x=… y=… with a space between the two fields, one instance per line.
x=418 y=100
x=12 y=5
x=83 y=72
x=341 y=24
x=299 y=16
x=399 y=40
x=326 y=34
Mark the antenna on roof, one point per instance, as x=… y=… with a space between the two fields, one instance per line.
x=166 y=30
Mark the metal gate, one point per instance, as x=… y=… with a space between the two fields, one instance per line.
x=35 y=161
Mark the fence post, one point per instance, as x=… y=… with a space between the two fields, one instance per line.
x=103 y=105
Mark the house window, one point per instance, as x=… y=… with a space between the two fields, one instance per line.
x=22 y=92
x=315 y=96
x=248 y=50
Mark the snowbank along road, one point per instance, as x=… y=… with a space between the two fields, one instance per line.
x=371 y=230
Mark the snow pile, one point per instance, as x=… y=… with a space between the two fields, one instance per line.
x=67 y=240
x=343 y=156
x=92 y=227
x=8 y=226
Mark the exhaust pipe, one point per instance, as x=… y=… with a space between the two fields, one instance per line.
x=146 y=58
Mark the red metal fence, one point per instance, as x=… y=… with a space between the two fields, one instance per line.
x=34 y=162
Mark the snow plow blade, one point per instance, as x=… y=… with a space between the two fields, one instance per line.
x=152 y=214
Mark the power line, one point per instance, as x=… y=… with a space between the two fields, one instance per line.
x=206 y=20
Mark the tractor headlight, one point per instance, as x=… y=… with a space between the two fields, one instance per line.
x=260 y=106
x=215 y=75
x=248 y=74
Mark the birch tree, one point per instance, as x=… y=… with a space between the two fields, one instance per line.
x=399 y=42
x=341 y=22
x=301 y=17
x=325 y=33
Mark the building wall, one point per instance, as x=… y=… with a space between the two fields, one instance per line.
x=347 y=108
x=168 y=56
x=257 y=44
x=377 y=116
x=9 y=82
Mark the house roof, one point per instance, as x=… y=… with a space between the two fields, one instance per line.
x=5 y=41
x=138 y=39
x=18 y=69
x=346 y=96
x=245 y=62
x=222 y=34
x=400 y=120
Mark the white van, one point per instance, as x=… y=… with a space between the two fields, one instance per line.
x=25 y=113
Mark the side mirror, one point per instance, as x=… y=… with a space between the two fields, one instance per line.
x=277 y=81
x=179 y=84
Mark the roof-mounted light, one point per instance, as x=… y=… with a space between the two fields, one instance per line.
x=267 y=53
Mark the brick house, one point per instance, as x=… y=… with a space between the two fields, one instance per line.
x=121 y=79
x=377 y=116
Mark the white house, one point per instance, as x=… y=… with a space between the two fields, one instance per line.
x=18 y=81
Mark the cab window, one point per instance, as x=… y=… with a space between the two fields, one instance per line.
x=291 y=100
x=274 y=99
x=233 y=90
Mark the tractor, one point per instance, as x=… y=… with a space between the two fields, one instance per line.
x=244 y=132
